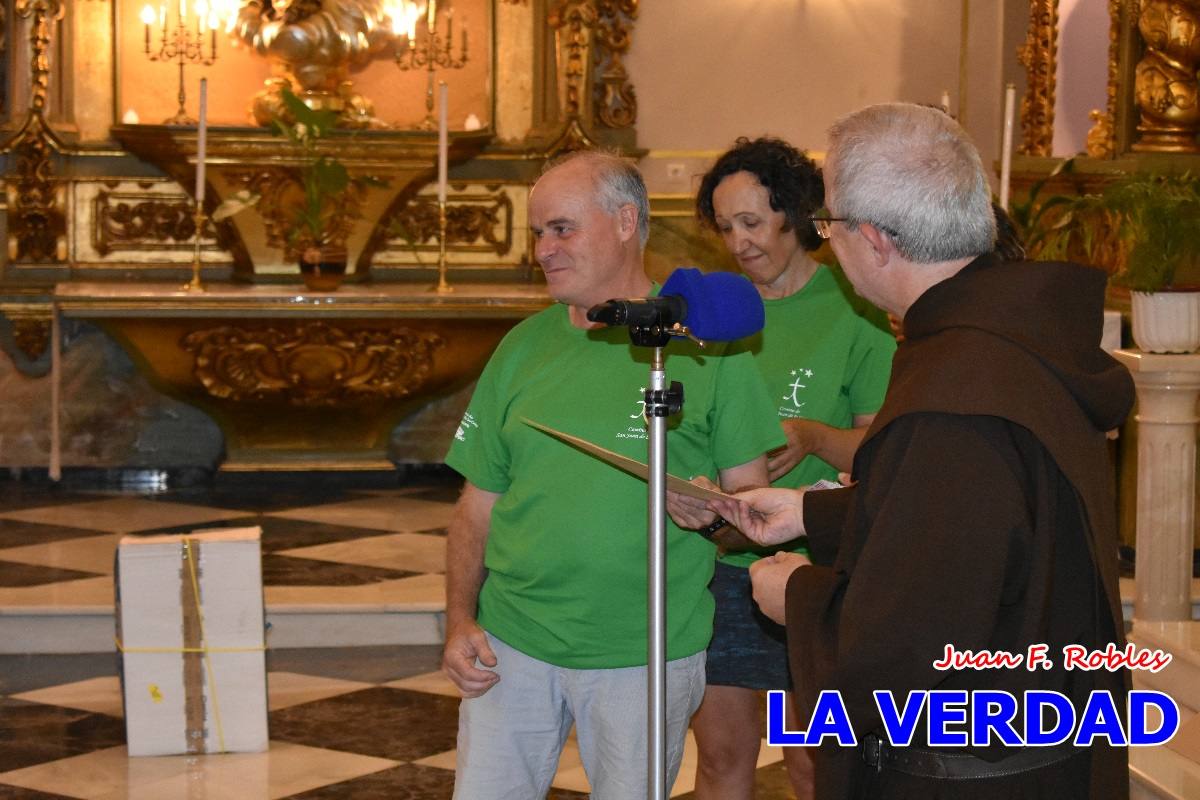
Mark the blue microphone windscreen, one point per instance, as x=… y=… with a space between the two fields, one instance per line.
x=721 y=306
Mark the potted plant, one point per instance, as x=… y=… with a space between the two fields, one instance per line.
x=320 y=202
x=1144 y=229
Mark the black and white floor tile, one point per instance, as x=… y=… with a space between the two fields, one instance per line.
x=345 y=722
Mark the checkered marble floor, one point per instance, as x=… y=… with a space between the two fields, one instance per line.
x=357 y=722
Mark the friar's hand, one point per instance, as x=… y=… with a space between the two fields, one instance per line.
x=769 y=577
x=766 y=516
x=465 y=644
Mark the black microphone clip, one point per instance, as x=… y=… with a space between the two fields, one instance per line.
x=652 y=321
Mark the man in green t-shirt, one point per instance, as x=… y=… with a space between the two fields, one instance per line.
x=546 y=559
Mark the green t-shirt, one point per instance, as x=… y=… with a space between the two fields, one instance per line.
x=825 y=354
x=566 y=550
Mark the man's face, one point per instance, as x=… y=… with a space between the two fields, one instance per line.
x=578 y=244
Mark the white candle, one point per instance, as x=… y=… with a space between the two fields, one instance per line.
x=443 y=142
x=1010 y=96
x=201 y=142
x=946 y=100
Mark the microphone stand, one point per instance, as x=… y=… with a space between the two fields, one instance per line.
x=661 y=403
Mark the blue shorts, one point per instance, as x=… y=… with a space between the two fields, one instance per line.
x=747 y=649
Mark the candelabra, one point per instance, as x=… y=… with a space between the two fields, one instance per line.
x=182 y=45
x=437 y=50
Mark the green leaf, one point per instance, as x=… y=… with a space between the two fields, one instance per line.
x=331 y=176
x=318 y=123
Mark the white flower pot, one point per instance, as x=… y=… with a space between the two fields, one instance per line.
x=1166 y=322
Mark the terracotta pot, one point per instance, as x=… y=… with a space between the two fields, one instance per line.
x=323 y=267
x=1166 y=322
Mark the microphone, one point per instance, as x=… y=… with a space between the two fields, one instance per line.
x=639 y=312
x=717 y=306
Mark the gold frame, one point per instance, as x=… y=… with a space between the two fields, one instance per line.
x=1115 y=131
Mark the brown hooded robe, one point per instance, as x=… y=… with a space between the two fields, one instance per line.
x=983 y=517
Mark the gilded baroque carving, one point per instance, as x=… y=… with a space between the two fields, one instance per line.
x=311 y=364
x=1038 y=55
x=32 y=336
x=485 y=224
x=282 y=192
x=1166 y=88
x=572 y=22
x=317 y=42
x=124 y=222
x=616 y=99
x=36 y=200
x=30 y=326
x=1102 y=138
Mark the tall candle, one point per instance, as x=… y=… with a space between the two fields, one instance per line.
x=1010 y=95
x=443 y=142
x=147 y=21
x=201 y=143
x=946 y=100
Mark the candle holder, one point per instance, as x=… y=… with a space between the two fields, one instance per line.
x=182 y=45
x=443 y=287
x=435 y=51
x=194 y=284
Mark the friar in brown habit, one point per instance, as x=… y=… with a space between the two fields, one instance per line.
x=982 y=514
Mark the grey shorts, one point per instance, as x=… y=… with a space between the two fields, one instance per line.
x=510 y=738
x=747 y=649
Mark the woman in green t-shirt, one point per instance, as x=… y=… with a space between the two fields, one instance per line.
x=825 y=356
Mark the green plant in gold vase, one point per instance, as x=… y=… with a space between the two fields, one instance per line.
x=310 y=210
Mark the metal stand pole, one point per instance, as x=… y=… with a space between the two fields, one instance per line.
x=656 y=671
x=661 y=402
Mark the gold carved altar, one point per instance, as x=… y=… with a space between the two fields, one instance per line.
x=304 y=380
x=102 y=232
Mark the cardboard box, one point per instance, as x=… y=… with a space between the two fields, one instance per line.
x=190 y=628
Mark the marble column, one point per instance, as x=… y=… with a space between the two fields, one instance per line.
x=1167 y=390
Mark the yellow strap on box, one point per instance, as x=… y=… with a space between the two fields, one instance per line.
x=212 y=682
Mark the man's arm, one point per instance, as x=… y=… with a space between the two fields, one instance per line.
x=750 y=475
x=692 y=513
x=465 y=641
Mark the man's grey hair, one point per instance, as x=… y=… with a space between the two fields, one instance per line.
x=617 y=182
x=912 y=172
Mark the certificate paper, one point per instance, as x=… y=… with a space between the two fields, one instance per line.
x=630 y=465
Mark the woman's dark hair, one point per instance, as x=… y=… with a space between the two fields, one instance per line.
x=1008 y=239
x=792 y=180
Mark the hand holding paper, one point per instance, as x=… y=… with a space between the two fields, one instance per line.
x=766 y=516
x=692 y=511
